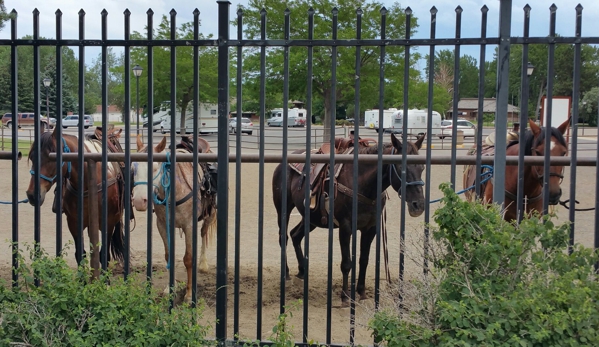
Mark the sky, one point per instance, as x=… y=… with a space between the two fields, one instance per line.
x=471 y=17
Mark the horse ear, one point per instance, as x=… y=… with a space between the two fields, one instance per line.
x=418 y=142
x=395 y=141
x=140 y=143
x=564 y=126
x=536 y=130
x=160 y=147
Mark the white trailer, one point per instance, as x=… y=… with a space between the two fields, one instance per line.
x=371 y=118
x=207 y=118
x=393 y=121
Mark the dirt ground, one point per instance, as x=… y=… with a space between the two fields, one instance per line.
x=248 y=214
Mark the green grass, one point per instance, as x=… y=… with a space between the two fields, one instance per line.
x=22 y=145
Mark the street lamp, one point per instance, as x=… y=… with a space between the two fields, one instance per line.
x=137 y=72
x=530 y=69
x=47 y=82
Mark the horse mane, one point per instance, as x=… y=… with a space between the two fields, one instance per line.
x=530 y=142
x=46 y=144
x=387 y=145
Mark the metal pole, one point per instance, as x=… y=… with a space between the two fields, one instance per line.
x=47 y=106
x=137 y=105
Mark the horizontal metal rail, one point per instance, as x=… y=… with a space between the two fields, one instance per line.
x=340 y=158
x=9 y=156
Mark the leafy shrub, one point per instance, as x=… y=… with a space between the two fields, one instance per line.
x=494 y=283
x=67 y=310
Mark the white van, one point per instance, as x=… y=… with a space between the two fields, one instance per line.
x=417 y=121
x=296 y=117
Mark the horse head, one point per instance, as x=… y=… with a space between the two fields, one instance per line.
x=48 y=168
x=557 y=147
x=140 y=175
x=414 y=183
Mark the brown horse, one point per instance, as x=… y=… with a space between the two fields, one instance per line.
x=534 y=140
x=115 y=189
x=367 y=195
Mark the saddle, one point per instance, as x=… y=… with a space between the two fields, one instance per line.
x=209 y=181
x=319 y=178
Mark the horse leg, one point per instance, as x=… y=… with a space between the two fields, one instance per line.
x=161 y=223
x=188 y=260
x=289 y=208
x=365 y=242
x=344 y=242
x=208 y=232
x=72 y=225
x=297 y=235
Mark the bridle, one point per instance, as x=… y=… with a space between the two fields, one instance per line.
x=540 y=177
x=393 y=169
x=65 y=149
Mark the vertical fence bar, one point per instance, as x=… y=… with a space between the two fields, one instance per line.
x=429 y=132
x=223 y=170
x=284 y=221
x=404 y=148
x=58 y=132
x=173 y=159
x=238 y=135
x=379 y=175
x=127 y=168
x=196 y=186
x=14 y=83
x=331 y=217
x=354 y=207
x=81 y=164
x=104 y=211
x=523 y=117
x=481 y=92
x=596 y=243
x=575 y=106
x=503 y=62
x=549 y=112
x=261 y=186
x=150 y=146
x=456 y=95
x=37 y=133
x=307 y=167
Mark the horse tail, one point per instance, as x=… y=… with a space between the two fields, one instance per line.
x=117 y=242
x=208 y=230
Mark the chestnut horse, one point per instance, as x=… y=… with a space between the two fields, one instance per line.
x=367 y=195
x=534 y=140
x=206 y=202
x=114 y=190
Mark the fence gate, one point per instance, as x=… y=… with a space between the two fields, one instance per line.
x=254 y=269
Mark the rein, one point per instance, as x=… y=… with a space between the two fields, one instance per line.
x=393 y=169
x=65 y=149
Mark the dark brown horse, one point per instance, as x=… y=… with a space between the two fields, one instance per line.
x=534 y=140
x=367 y=195
x=115 y=189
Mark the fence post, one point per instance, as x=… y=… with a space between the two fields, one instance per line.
x=505 y=22
x=222 y=197
x=94 y=225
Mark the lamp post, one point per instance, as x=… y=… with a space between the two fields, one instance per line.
x=46 y=83
x=137 y=72
x=529 y=70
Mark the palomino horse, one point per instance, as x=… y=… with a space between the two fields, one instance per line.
x=206 y=201
x=114 y=190
x=367 y=195
x=534 y=140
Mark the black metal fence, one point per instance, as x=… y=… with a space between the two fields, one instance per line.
x=226 y=43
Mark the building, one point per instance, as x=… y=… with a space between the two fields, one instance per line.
x=468 y=109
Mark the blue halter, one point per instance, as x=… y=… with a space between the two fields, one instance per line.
x=65 y=149
x=393 y=169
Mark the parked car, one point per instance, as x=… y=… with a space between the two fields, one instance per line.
x=156 y=125
x=26 y=119
x=246 y=126
x=73 y=121
x=467 y=127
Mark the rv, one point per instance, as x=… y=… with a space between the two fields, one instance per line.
x=207 y=118
x=296 y=117
x=393 y=121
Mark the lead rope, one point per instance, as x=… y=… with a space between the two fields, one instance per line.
x=165 y=182
x=384 y=235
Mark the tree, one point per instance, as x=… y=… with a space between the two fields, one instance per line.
x=208 y=63
x=322 y=74
x=444 y=73
x=589 y=107
x=114 y=85
x=3 y=15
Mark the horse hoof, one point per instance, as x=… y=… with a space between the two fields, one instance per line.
x=344 y=303
x=204 y=269
x=363 y=297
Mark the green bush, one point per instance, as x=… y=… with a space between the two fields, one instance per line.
x=68 y=310
x=494 y=283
